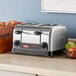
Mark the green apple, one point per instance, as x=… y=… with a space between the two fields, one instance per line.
x=69 y=45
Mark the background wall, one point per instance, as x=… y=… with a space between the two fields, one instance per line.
x=30 y=11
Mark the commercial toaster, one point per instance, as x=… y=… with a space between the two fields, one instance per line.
x=39 y=39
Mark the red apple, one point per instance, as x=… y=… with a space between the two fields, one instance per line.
x=2 y=28
x=13 y=22
x=72 y=49
x=72 y=52
x=2 y=23
x=7 y=23
x=20 y=22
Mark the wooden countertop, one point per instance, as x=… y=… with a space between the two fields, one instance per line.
x=57 y=66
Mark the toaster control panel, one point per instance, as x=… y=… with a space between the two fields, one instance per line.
x=43 y=46
x=31 y=46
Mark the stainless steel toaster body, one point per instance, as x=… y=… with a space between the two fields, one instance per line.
x=39 y=39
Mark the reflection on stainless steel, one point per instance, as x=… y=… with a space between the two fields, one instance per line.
x=32 y=33
x=26 y=32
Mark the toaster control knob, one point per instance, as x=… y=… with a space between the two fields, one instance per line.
x=18 y=32
x=44 y=45
x=17 y=43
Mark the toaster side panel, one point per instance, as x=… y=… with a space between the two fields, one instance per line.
x=58 y=38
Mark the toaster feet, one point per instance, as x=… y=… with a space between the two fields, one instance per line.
x=50 y=54
x=56 y=53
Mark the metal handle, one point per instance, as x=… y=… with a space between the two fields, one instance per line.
x=37 y=33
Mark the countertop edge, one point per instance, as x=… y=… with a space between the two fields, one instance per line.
x=31 y=70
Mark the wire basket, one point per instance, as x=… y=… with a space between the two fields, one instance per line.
x=6 y=33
